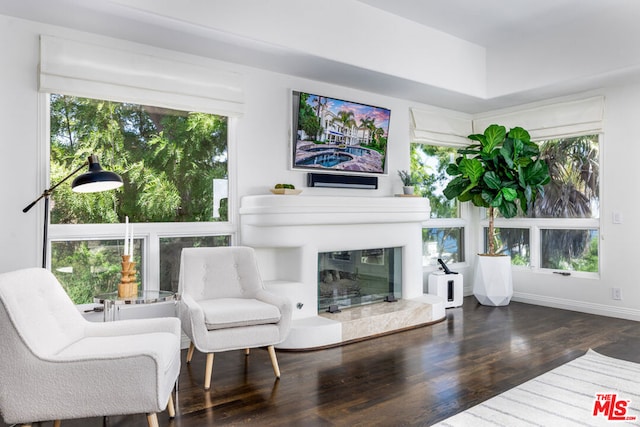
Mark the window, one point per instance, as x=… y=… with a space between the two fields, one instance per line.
x=175 y=171
x=444 y=238
x=572 y=200
x=511 y=241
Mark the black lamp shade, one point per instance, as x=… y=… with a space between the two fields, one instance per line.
x=96 y=179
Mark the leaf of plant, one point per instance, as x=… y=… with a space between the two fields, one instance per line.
x=537 y=172
x=492 y=180
x=465 y=197
x=453 y=169
x=519 y=133
x=455 y=187
x=478 y=137
x=472 y=168
x=509 y=193
x=518 y=147
x=530 y=149
x=497 y=201
x=478 y=200
x=507 y=154
x=508 y=209
x=494 y=135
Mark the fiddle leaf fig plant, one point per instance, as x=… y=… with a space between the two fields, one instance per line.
x=499 y=171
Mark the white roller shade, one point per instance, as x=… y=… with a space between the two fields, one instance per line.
x=124 y=72
x=570 y=118
x=439 y=127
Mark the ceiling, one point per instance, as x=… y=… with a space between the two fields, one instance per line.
x=490 y=22
x=498 y=26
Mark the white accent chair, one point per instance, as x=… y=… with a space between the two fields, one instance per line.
x=57 y=365
x=224 y=306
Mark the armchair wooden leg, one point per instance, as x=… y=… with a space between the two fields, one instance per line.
x=208 y=371
x=57 y=423
x=171 y=410
x=152 y=420
x=274 y=360
x=247 y=351
x=190 y=352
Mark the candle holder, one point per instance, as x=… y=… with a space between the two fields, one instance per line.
x=127 y=287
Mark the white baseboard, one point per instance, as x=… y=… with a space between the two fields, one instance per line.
x=581 y=306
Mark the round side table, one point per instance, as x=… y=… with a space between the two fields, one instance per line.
x=112 y=301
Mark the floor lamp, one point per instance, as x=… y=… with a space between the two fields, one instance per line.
x=93 y=181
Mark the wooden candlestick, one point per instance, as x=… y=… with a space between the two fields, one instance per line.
x=127 y=287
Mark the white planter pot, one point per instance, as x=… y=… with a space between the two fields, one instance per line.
x=492 y=282
x=408 y=189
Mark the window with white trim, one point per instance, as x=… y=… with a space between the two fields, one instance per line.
x=564 y=223
x=164 y=126
x=174 y=167
x=436 y=134
x=444 y=236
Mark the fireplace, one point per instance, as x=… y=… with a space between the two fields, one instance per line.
x=361 y=235
x=358 y=277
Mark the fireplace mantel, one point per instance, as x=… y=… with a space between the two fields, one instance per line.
x=288 y=232
x=278 y=210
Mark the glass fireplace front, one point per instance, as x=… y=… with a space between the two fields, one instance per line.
x=358 y=277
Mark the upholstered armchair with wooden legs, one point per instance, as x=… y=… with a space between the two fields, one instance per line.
x=224 y=305
x=56 y=365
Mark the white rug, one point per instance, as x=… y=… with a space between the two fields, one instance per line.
x=566 y=396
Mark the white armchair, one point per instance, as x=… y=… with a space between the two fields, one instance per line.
x=57 y=365
x=224 y=305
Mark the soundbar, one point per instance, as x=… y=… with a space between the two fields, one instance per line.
x=342 y=181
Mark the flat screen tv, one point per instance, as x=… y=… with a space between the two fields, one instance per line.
x=334 y=135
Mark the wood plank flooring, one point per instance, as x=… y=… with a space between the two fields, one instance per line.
x=412 y=378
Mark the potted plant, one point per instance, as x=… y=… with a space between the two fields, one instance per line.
x=500 y=171
x=408 y=181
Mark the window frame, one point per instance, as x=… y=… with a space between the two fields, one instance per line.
x=535 y=225
x=463 y=220
x=150 y=233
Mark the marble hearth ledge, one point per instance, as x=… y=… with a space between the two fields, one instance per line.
x=368 y=321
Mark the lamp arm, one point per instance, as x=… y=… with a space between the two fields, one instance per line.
x=48 y=191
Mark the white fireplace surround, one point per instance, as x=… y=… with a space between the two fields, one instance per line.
x=289 y=231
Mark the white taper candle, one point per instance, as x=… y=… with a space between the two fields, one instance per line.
x=126 y=235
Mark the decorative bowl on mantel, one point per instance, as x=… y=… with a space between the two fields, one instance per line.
x=286 y=191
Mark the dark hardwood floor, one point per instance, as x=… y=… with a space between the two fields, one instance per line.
x=416 y=377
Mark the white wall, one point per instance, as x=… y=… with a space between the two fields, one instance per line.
x=262 y=147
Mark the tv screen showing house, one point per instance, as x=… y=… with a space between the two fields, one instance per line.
x=336 y=135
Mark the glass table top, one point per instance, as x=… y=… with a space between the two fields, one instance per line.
x=143 y=297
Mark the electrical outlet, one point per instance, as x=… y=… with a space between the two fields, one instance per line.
x=617 y=217
x=616 y=294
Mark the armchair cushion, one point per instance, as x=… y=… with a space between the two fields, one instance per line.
x=158 y=345
x=235 y=312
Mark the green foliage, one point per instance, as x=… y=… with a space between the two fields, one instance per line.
x=574 y=187
x=567 y=249
x=407 y=178
x=308 y=120
x=166 y=158
x=498 y=171
x=513 y=242
x=503 y=168
x=90 y=268
x=428 y=167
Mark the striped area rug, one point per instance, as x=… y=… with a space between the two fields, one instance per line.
x=592 y=390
